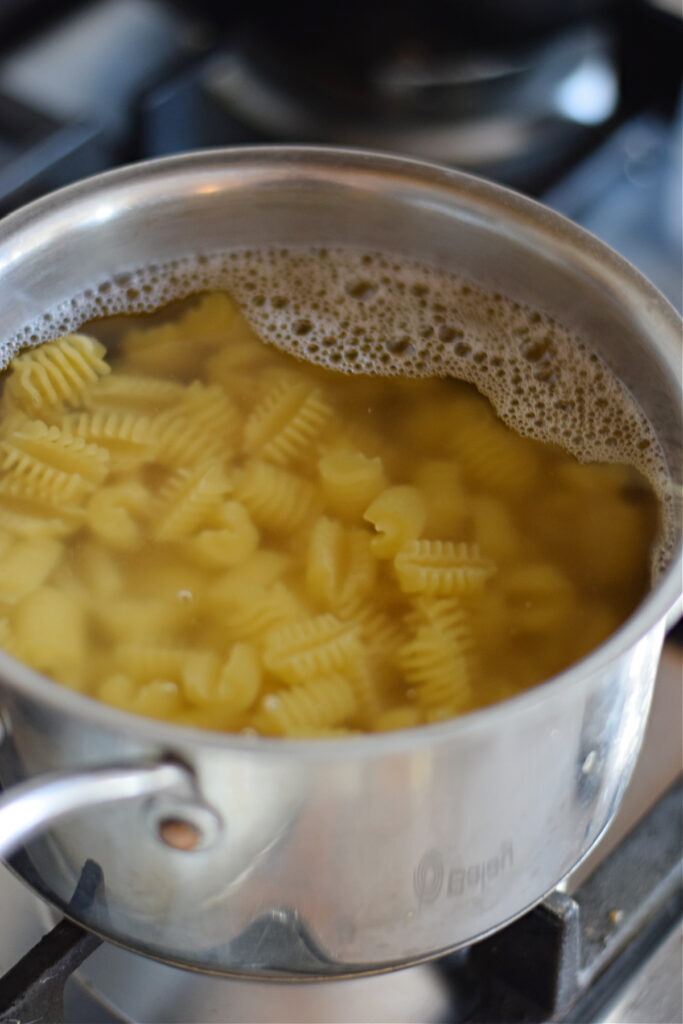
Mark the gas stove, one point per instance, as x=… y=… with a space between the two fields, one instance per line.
x=582 y=112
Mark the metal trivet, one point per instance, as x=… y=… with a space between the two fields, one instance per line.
x=564 y=961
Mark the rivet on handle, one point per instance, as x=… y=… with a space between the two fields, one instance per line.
x=183 y=825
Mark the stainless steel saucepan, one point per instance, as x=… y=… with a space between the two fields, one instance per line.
x=312 y=859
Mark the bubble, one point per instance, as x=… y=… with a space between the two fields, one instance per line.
x=400 y=346
x=448 y=334
x=360 y=289
x=302 y=327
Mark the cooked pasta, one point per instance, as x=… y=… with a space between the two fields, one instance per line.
x=232 y=687
x=28 y=516
x=204 y=530
x=340 y=568
x=230 y=538
x=399 y=515
x=276 y=499
x=447 y=501
x=442 y=567
x=26 y=565
x=60 y=372
x=188 y=500
x=490 y=454
x=350 y=482
x=59 y=620
x=36 y=444
x=127 y=392
x=434 y=663
x=254 y=613
x=306 y=708
x=285 y=427
x=113 y=514
x=312 y=647
x=173 y=347
x=125 y=435
x=204 y=424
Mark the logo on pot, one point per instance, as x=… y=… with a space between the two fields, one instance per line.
x=431 y=877
x=428 y=877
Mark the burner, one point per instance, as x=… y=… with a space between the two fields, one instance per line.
x=509 y=114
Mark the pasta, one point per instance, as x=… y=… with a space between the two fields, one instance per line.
x=28 y=515
x=203 y=425
x=276 y=499
x=59 y=620
x=56 y=373
x=306 y=708
x=126 y=392
x=442 y=567
x=253 y=613
x=160 y=698
x=233 y=687
x=188 y=500
x=399 y=515
x=446 y=499
x=211 y=533
x=231 y=539
x=340 y=568
x=350 y=482
x=37 y=445
x=434 y=664
x=26 y=565
x=173 y=347
x=489 y=454
x=126 y=436
x=113 y=515
x=286 y=425
x=141 y=619
x=309 y=648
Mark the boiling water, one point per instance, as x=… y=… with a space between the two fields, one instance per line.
x=380 y=314
x=548 y=555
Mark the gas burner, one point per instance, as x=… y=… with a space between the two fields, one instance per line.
x=509 y=114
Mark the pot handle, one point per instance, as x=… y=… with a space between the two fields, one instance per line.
x=30 y=807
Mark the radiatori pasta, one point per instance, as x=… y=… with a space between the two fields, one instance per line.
x=205 y=530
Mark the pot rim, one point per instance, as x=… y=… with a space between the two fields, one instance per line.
x=606 y=264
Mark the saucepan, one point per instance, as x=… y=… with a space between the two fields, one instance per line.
x=309 y=859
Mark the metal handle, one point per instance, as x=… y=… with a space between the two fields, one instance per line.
x=30 y=807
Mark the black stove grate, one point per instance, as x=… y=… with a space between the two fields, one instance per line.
x=33 y=990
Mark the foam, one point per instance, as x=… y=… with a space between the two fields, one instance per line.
x=373 y=313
